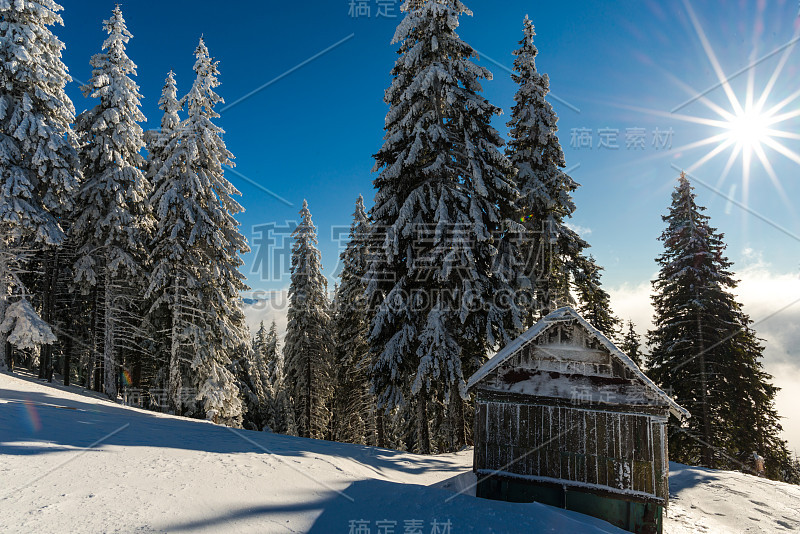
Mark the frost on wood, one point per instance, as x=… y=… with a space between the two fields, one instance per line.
x=24 y=328
x=562 y=403
x=565 y=361
x=617 y=452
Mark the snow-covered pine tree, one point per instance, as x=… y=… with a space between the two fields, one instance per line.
x=195 y=256
x=158 y=140
x=282 y=415
x=248 y=366
x=594 y=302
x=632 y=344
x=354 y=406
x=39 y=166
x=443 y=274
x=262 y=355
x=159 y=317
x=270 y=344
x=705 y=351
x=24 y=328
x=308 y=372
x=551 y=250
x=114 y=221
x=260 y=339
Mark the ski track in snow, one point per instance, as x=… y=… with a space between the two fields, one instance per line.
x=168 y=474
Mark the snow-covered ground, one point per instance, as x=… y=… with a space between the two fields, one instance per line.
x=705 y=500
x=71 y=461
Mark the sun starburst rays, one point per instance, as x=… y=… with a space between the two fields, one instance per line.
x=749 y=126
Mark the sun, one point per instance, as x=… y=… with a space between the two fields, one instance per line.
x=749 y=129
x=746 y=127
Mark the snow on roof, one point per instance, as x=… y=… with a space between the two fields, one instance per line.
x=566 y=314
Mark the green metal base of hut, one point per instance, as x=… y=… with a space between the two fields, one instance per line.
x=632 y=515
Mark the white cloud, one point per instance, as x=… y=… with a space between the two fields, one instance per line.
x=267 y=306
x=632 y=302
x=582 y=231
x=787 y=377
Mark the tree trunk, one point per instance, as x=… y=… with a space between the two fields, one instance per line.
x=44 y=351
x=42 y=356
x=48 y=309
x=308 y=393
x=175 y=376
x=5 y=355
x=707 y=452
x=67 y=359
x=708 y=457
x=459 y=423
x=423 y=432
x=109 y=363
x=98 y=375
x=380 y=424
x=96 y=363
x=136 y=372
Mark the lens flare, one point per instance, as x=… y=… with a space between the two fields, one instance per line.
x=31 y=417
x=747 y=127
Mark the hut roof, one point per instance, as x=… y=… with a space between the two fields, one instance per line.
x=568 y=314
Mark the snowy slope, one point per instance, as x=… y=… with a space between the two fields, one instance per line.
x=705 y=500
x=158 y=473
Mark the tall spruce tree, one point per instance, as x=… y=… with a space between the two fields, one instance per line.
x=267 y=344
x=705 y=351
x=281 y=413
x=114 y=219
x=159 y=318
x=443 y=274
x=158 y=140
x=307 y=351
x=39 y=166
x=631 y=344
x=594 y=301
x=263 y=349
x=552 y=251
x=354 y=406
x=249 y=368
x=196 y=256
x=260 y=374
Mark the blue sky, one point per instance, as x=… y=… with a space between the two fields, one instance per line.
x=312 y=133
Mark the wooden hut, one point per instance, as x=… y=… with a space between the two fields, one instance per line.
x=563 y=417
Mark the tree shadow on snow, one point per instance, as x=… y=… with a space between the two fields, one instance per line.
x=375 y=502
x=28 y=419
x=683 y=477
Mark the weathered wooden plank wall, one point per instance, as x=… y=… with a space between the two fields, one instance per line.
x=622 y=451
